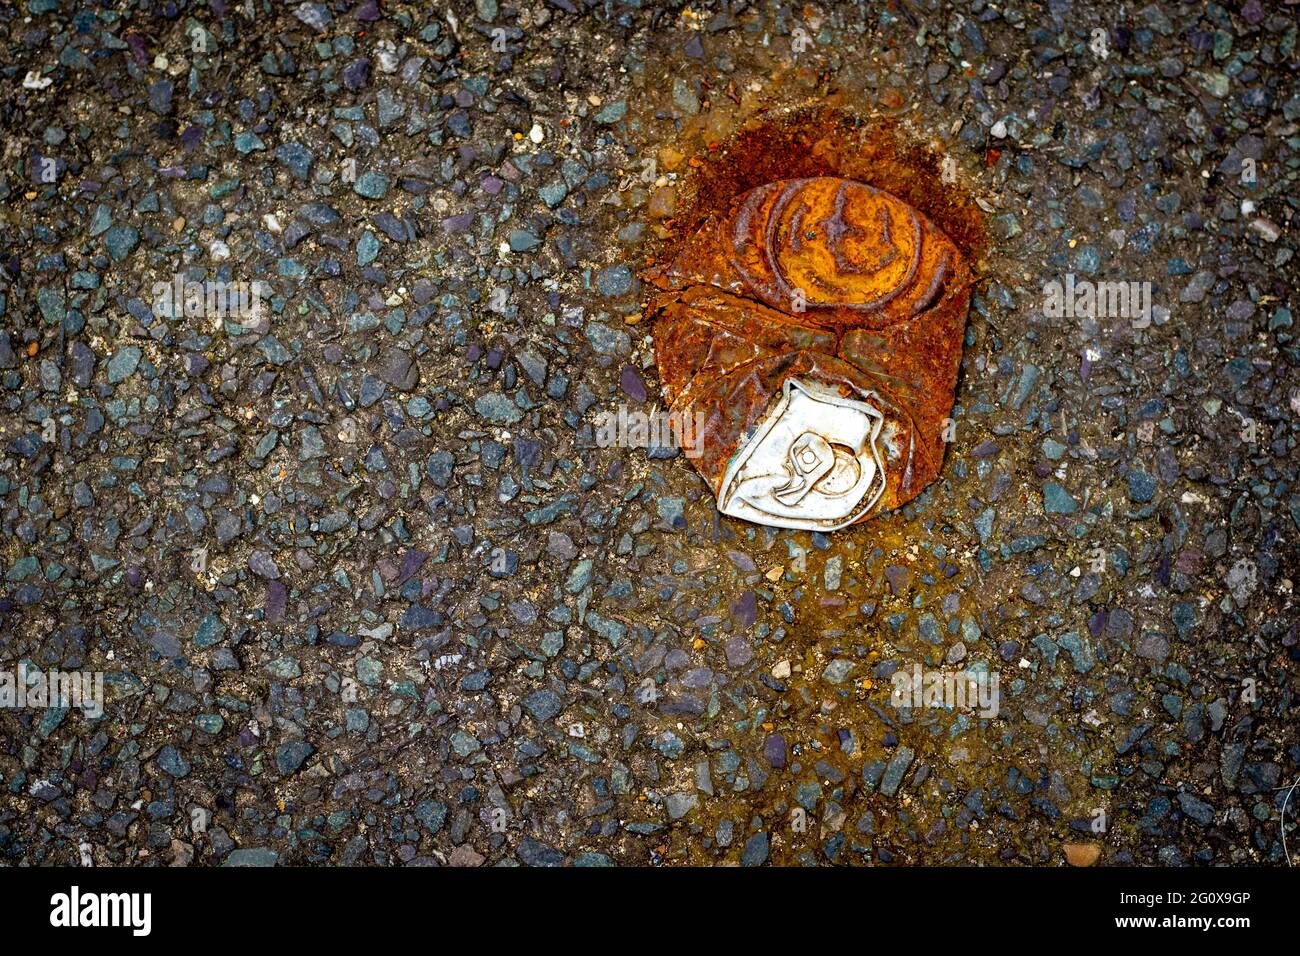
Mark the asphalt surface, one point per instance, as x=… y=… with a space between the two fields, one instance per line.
x=364 y=589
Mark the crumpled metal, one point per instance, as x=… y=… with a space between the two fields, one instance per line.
x=829 y=282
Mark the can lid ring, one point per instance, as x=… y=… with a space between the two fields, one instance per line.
x=778 y=478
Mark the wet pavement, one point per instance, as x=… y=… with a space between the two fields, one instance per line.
x=362 y=583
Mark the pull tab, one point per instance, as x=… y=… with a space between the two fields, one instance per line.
x=811 y=459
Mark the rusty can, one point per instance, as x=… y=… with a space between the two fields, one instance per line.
x=815 y=328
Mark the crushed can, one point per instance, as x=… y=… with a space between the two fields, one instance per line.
x=815 y=329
